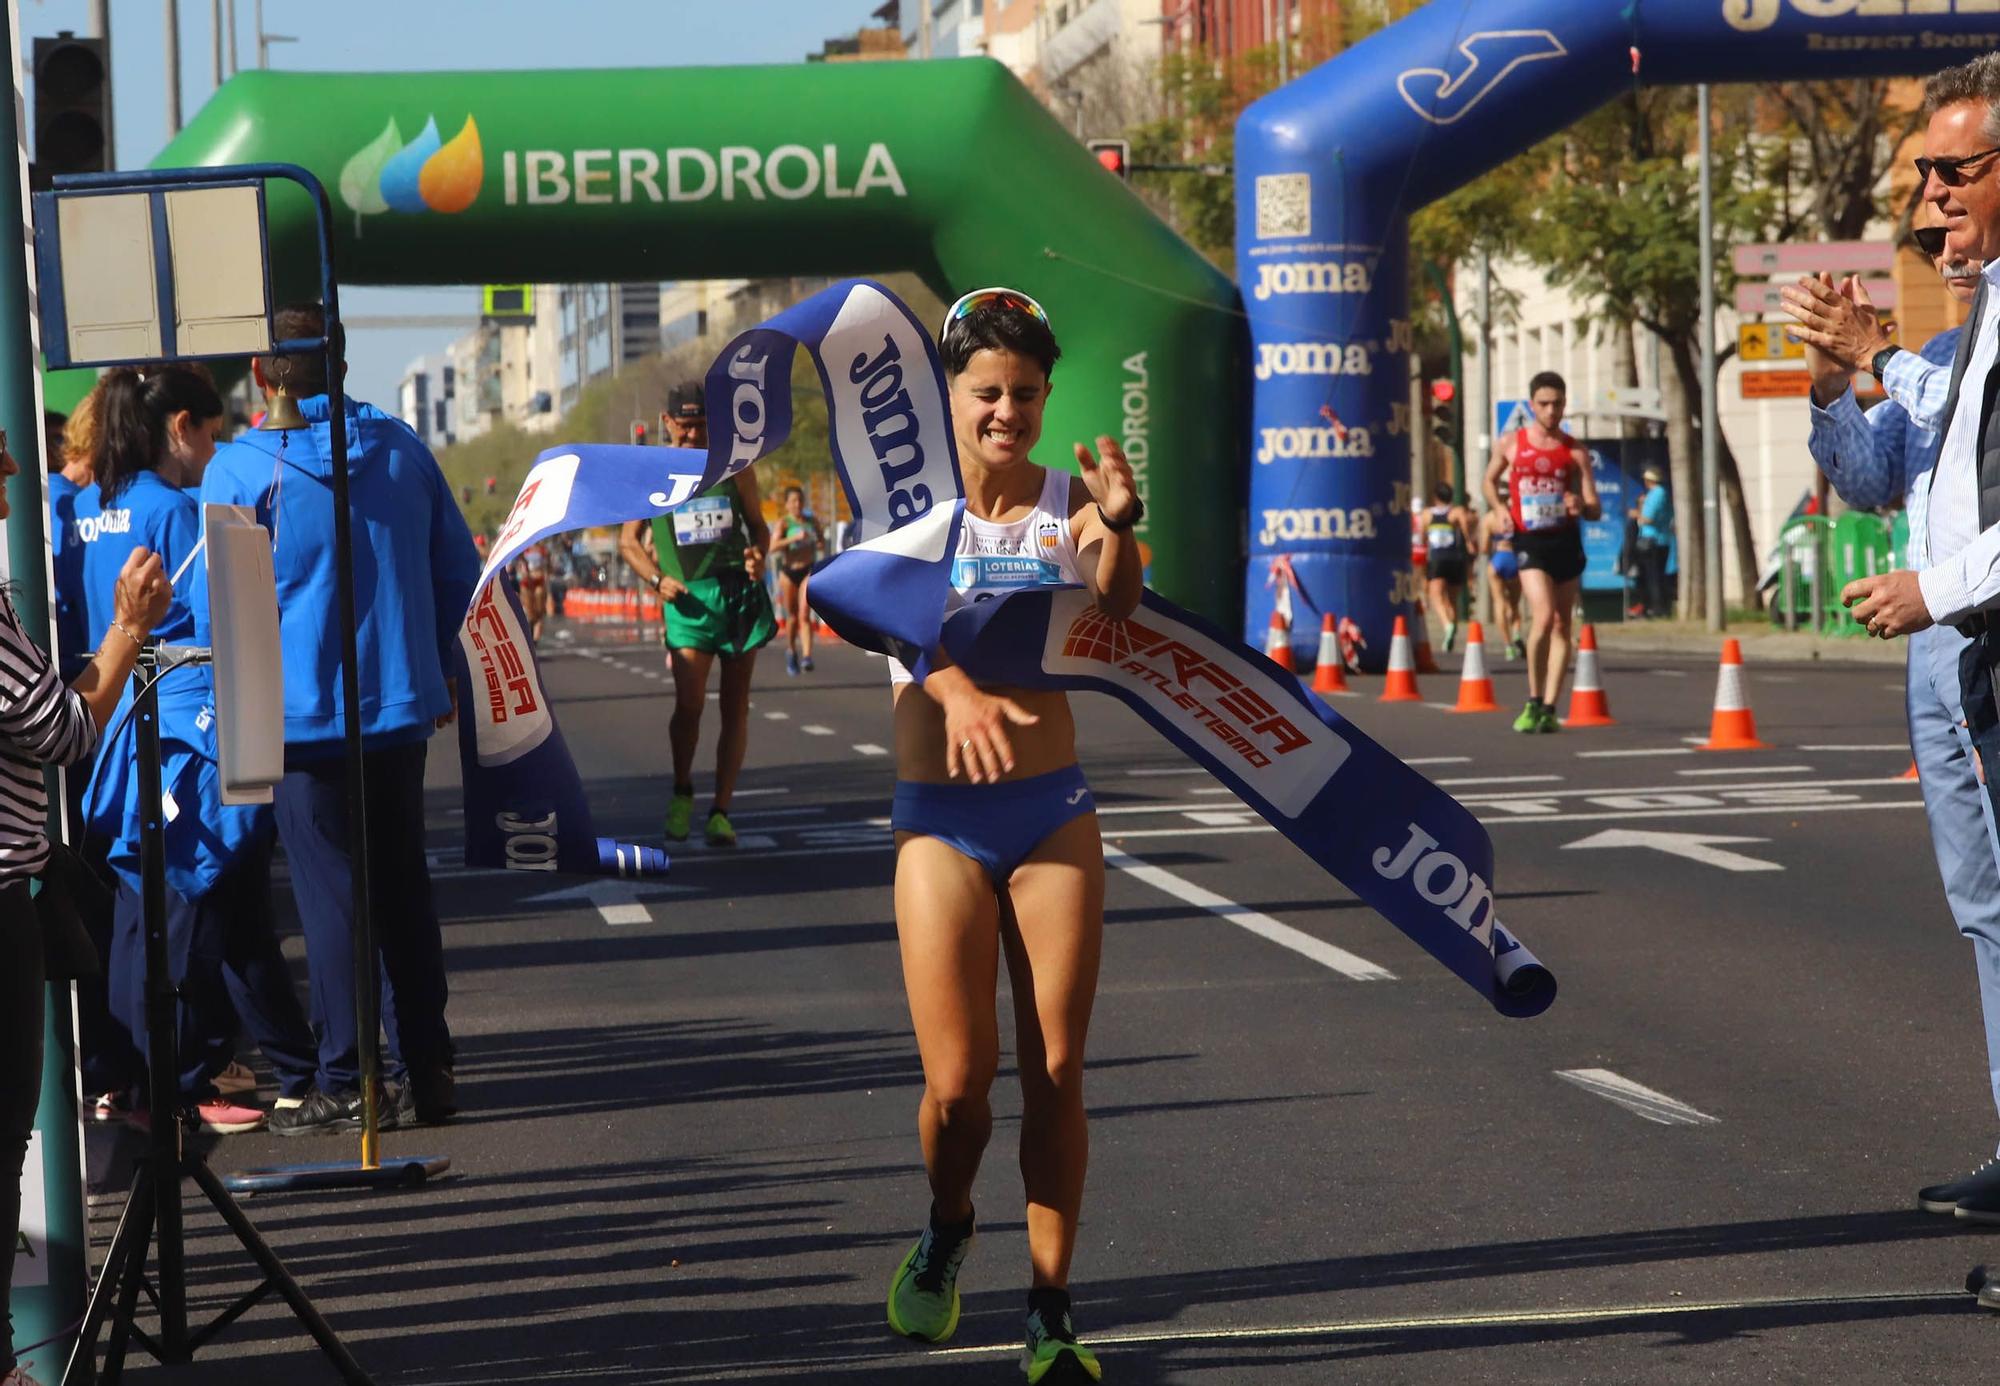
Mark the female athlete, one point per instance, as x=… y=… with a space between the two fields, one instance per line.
x=997 y=849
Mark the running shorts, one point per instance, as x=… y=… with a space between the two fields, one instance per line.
x=727 y=616
x=1506 y=565
x=1448 y=568
x=1557 y=552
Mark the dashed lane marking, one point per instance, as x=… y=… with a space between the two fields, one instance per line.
x=869 y=748
x=814 y=729
x=1752 y=770
x=1439 y=760
x=1618 y=816
x=1636 y=1098
x=1628 y=755
x=1284 y=935
x=1498 y=779
x=1899 y=747
x=777 y=716
x=1669 y=673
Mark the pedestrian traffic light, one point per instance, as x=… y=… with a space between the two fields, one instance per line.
x=72 y=106
x=1115 y=155
x=638 y=433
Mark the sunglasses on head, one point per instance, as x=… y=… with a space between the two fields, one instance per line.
x=1930 y=240
x=995 y=298
x=1951 y=172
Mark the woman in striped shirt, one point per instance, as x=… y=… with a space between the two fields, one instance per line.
x=43 y=723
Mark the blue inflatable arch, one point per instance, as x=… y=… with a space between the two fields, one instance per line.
x=1329 y=167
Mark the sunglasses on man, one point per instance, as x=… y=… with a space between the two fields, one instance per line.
x=1952 y=172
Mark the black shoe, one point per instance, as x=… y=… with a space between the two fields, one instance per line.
x=429 y=1097
x=322 y=1113
x=1982 y=1184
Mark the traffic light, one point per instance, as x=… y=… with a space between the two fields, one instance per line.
x=638 y=433
x=72 y=106
x=1114 y=155
x=1445 y=414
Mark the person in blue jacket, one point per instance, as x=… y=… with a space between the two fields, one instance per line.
x=415 y=570
x=156 y=430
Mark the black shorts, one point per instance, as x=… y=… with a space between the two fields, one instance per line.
x=1449 y=568
x=1557 y=552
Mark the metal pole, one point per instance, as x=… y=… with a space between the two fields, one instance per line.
x=923 y=28
x=234 y=66
x=100 y=18
x=264 y=46
x=1711 y=508
x=215 y=28
x=1284 y=41
x=170 y=47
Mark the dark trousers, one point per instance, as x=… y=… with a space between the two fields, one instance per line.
x=312 y=823
x=1653 y=578
x=223 y=956
x=21 y=999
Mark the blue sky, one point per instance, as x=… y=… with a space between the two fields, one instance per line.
x=428 y=35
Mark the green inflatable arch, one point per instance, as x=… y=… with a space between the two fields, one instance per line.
x=951 y=170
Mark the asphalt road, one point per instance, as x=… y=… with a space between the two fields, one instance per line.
x=688 y=1150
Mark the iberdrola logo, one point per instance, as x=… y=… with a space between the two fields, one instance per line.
x=425 y=175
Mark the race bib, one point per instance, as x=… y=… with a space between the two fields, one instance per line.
x=1542 y=510
x=704 y=520
x=990 y=572
x=1443 y=536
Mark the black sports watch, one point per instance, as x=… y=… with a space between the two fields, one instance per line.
x=1880 y=360
x=1138 y=514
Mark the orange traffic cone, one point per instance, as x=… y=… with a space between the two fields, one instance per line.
x=1911 y=773
x=1587 y=704
x=1278 y=642
x=1401 y=685
x=1426 y=661
x=1475 y=685
x=1733 y=727
x=1330 y=673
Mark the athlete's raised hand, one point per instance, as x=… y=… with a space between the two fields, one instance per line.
x=1109 y=480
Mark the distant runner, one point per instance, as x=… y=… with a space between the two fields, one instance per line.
x=1448 y=546
x=1503 y=573
x=795 y=548
x=1550 y=489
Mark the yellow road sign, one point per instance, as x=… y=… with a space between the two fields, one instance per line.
x=1765 y=341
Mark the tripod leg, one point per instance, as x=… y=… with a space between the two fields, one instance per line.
x=135 y=1227
x=122 y=1327
x=267 y=1260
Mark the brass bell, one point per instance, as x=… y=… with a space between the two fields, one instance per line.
x=283 y=414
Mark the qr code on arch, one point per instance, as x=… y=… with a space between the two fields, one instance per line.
x=1284 y=205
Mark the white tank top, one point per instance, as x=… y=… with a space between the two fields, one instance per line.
x=992 y=560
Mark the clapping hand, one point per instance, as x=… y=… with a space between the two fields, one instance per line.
x=1108 y=478
x=1840 y=322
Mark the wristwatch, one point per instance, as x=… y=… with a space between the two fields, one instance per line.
x=1879 y=362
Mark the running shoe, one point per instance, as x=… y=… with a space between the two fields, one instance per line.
x=923 y=1295
x=1546 y=719
x=1054 y=1355
x=225 y=1116
x=1983 y=1183
x=108 y=1106
x=806 y=663
x=720 y=833
x=1450 y=635
x=792 y=663
x=1517 y=651
x=1530 y=717
x=680 y=813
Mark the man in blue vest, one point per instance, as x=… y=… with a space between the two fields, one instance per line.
x=414 y=573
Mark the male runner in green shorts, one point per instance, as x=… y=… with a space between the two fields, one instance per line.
x=706 y=560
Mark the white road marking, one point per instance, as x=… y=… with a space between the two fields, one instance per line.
x=777 y=716
x=815 y=729
x=1774 y=678
x=1635 y=1098
x=1284 y=935
x=757 y=793
x=1171 y=770
x=1439 y=760
x=759 y=815
x=869 y=748
x=1623 y=755
x=1221 y=818
x=1701 y=847
x=1122 y=834
x=1752 y=770
x=1499 y=779
x=1212 y=789
x=1670 y=673
x=617 y=902
x=1900 y=747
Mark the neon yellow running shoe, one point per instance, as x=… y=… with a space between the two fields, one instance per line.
x=923 y=1295
x=680 y=813
x=720 y=831
x=1054 y=1355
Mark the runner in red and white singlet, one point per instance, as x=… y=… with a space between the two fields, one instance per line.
x=1549 y=490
